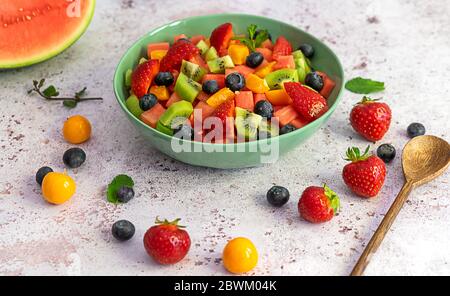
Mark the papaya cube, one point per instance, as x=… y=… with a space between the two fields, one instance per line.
x=158 y=54
x=238 y=53
x=278 y=97
x=267 y=53
x=220 y=97
x=256 y=84
x=160 y=92
x=157 y=46
x=244 y=100
x=285 y=115
x=151 y=117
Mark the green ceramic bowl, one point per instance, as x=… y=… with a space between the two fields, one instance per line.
x=229 y=155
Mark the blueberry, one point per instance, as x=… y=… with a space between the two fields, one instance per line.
x=314 y=80
x=308 y=50
x=123 y=230
x=41 y=173
x=235 y=81
x=184 y=131
x=416 y=129
x=264 y=108
x=259 y=31
x=386 y=152
x=210 y=87
x=125 y=194
x=148 y=101
x=74 y=157
x=254 y=59
x=164 y=79
x=288 y=128
x=277 y=196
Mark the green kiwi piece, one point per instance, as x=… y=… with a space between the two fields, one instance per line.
x=186 y=88
x=211 y=54
x=202 y=46
x=193 y=71
x=275 y=79
x=302 y=65
x=165 y=130
x=247 y=123
x=219 y=65
x=132 y=104
x=176 y=114
x=128 y=78
x=142 y=60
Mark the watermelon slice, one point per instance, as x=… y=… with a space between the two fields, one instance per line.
x=33 y=31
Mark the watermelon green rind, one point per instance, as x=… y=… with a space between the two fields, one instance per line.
x=54 y=52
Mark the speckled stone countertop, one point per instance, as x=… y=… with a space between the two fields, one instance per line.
x=404 y=43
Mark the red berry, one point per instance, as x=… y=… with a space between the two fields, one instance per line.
x=308 y=103
x=371 y=119
x=318 y=204
x=142 y=77
x=166 y=243
x=220 y=37
x=282 y=47
x=224 y=111
x=365 y=174
x=179 y=51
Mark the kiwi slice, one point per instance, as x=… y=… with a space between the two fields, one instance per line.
x=266 y=130
x=176 y=114
x=276 y=79
x=202 y=46
x=302 y=64
x=165 y=130
x=247 y=123
x=128 y=78
x=132 y=104
x=219 y=65
x=186 y=88
x=211 y=54
x=193 y=71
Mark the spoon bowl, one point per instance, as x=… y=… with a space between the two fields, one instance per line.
x=424 y=158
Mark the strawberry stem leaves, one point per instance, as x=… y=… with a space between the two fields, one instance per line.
x=333 y=198
x=354 y=154
x=167 y=222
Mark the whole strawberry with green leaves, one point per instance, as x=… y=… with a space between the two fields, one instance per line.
x=318 y=204
x=365 y=174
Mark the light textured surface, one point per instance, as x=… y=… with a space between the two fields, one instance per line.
x=404 y=43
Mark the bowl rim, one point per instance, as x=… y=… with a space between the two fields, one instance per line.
x=314 y=123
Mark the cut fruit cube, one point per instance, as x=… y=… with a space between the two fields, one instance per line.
x=176 y=114
x=267 y=44
x=256 y=84
x=244 y=100
x=151 y=117
x=220 y=64
x=328 y=85
x=197 y=38
x=267 y=53
x=199 y=61
x=193 y=71
x=178 y=37
x=285 y=62
x=211 y=54
x=278 y=97
x=157 y=46
x=206 y=111
x=160 y=92
x=298 y=122
x=238 y=53
x=244 y=70
x=202 y=46
x=259 y=97
x=133 y=106
x=158 y=54
x=266 y=70
x=285 y=115
x=186 y=88
x=202 y=96
x=220 y=78
x=173 y=99
x=220 y=97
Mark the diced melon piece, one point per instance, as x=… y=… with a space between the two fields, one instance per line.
x=160 y=92
x=157 y=46
x=243 y=70
x=267 y=44
x=267 y=53
x=173 y=99
x=328 y=85
x=285 y=115
x=202 y=96
x=284 y=62
x=220 y=97
x=199 y=61
x=220 y=78
x=266 y=70
x=298 y=122
x=259 y=97
x=151 y=117
x=244 y=100
x=206 y=109
x=278 y=97
x=238 y=53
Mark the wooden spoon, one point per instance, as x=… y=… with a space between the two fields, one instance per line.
x=424 y=158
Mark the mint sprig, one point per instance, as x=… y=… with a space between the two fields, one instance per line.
x=50 y=93
x=117 y=183
x=255 y=37
x=361 y=85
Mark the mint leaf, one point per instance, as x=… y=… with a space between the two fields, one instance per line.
x=262 y=36
x=361 y=85
x=51 y=91
x=252 y=31
x=118 y=182
x=70 y=104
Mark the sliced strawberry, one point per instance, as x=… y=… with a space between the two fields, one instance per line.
x=281 y=48
x=180 y=50
x=308 y=103
x=224 y=111
x=221 y=36
x=142 y=77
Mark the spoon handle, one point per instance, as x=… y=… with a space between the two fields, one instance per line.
x=379 y=235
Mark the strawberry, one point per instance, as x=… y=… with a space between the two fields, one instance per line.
x=318 y=204
x=371 y=119
x=282 y=47
x=220 y=37
x=181 y=50
x=365 y=175
x=307 y=102
x=166 y=243
x=142 y=77
x=224 y=111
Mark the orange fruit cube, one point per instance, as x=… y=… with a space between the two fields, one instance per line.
x=220 y=97
x=238 y=53
x=160 y=92
x=256 y=84
x=278 y=97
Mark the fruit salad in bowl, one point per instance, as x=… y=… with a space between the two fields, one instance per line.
x=228 y=91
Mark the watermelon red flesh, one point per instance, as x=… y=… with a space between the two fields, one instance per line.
x=32 y=31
